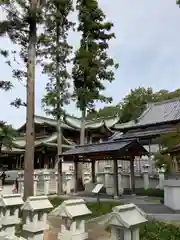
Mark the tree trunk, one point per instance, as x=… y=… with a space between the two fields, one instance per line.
x=82 y=142
x=29 y=153
x=59 y=112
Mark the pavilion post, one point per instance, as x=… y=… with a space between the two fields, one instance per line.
x=116 y=187
x=76 y=175
x=132 y=176
x=93 y=163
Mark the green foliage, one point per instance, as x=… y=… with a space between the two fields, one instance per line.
x=7 y=135
x=134 y=103
x=4 y=84
x=162 y=161
x=154 y=230
x=92 y=66
x=20 y=18
x=105 y=112
x=166 y=141
x=56 y=52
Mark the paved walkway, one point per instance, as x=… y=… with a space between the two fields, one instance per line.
x=151 y=208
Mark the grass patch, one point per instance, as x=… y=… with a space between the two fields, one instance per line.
x=96 y=209
x=102 y=208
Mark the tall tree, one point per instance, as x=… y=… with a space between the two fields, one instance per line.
x=56 y=52
x=92 y=65
x=21 y=26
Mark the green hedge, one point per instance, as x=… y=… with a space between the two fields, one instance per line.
x=151 y=192
x=154 y=230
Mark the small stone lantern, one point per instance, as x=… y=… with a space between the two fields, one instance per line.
x=72 y=212
x=46 y=178
x=10 y=206
x=21 y=182
x=86 y=179
x=146 y=175
x=36 y=209
x=68 y=177
x=124 y=222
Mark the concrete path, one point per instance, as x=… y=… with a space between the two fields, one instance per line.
x=153 y=210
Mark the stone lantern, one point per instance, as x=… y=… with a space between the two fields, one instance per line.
x=124 y=222
x=10 y=206
x=72 y=213
x=36 y=210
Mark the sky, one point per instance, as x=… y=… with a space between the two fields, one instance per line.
x=147 y=48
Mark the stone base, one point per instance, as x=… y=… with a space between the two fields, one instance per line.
x=172 y=193
x=116 y=197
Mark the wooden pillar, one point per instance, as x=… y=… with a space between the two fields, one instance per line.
x=75 y=175
x=116 y=187
x=132 y=175
x=93 y=163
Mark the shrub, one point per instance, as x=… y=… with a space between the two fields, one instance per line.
x=154 y=230
x=151 y=192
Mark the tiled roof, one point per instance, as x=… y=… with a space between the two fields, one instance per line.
x=102 y=147
x=91 y=124
x=73 y=123
x=48 y=140
x=160 y=112
x=140 y=133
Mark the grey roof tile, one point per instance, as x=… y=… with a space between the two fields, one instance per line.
x=160 y=112
x=105 y=147
x=140 y=133
x=100 y=147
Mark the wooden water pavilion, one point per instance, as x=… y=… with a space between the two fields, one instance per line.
x=125 y=150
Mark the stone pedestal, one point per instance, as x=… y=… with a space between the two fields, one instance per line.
x=172 y=193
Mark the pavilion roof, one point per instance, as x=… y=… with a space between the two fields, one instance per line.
x=12 y=150
x=142 y=133
x=74 y=123
x=120 y=148
x=155 y=113
x=45 y=141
